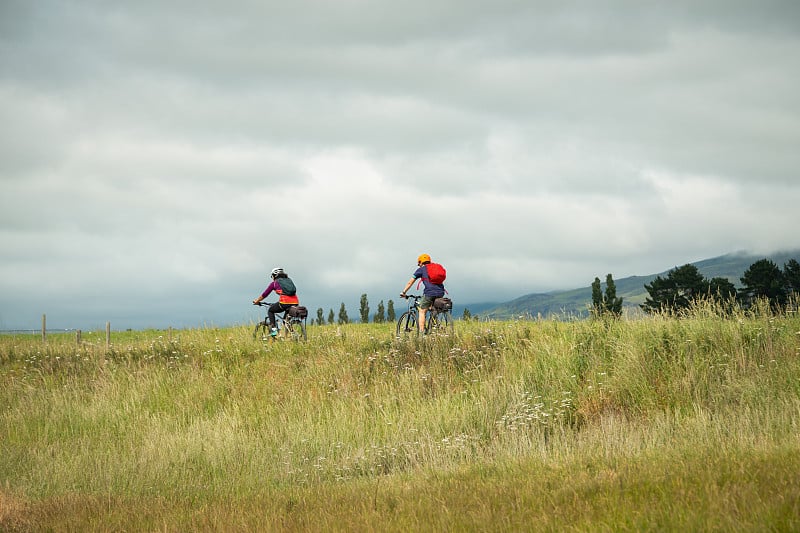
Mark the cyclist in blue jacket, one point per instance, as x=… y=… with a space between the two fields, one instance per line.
x=429 y=293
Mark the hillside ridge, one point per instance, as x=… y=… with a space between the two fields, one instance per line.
x=576 y=302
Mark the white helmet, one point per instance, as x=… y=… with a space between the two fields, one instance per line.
x=276 y=271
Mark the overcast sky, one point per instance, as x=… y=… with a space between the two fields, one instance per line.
x=158 y=159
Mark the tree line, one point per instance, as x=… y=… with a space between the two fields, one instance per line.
x=683 y=286
x=383 y=313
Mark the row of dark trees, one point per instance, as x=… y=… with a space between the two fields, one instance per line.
x=685 y=285
x=382 y=314
x=682 y=286
x=332 y=318
x=763 y=280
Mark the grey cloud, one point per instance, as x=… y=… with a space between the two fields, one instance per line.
x=155 y=152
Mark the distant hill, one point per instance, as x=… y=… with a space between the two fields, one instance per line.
x=576 y=302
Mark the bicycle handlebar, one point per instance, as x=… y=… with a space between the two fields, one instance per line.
x=414 y=296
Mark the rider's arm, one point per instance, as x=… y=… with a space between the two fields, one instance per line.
x=265 y=293
x=408 y=286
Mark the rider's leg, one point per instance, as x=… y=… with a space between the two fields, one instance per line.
x=424 y=305
x=274 y=308
x=284 y=308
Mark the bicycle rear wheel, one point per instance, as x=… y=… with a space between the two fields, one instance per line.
x=407 y=325
x=441 y=322
x=296 y=330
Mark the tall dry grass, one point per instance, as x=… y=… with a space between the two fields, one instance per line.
x=660 y=423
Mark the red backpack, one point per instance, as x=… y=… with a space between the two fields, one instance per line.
x=436 y=273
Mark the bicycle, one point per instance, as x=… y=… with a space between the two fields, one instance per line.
x=438 y=319
x=291 y=325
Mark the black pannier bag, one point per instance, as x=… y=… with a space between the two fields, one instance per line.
x=443 y=304
x=298 y=311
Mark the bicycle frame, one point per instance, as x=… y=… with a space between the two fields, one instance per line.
x=289 y=327
x=435 y=319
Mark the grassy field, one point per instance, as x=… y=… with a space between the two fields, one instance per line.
x=659 y=424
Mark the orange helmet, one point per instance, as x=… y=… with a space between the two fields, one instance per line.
x=424 y=258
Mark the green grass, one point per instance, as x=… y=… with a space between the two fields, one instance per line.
x=651 y=424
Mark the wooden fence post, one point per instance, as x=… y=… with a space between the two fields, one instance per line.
x=44 y=327
x=78 y=337
x=108 y=334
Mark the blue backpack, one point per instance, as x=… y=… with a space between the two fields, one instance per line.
x=287 y=286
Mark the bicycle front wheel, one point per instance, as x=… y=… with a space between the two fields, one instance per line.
x=261 y=331
x=407 y=324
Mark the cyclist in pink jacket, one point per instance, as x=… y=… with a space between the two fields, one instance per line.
x=285 y=299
